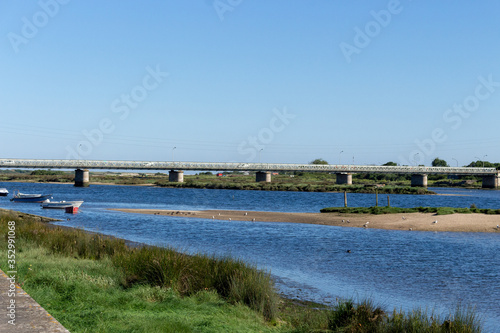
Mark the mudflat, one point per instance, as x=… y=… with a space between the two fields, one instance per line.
x=409 y=222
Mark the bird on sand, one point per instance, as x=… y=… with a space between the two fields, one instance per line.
x=410 y=229
x=246 y=214
x=435 y=221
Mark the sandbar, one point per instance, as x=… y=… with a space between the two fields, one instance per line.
x=408 y=222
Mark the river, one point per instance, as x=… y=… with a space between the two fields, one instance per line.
x=408 y=270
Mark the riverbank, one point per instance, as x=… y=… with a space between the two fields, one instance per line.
x=91 y=282
x=414 y=221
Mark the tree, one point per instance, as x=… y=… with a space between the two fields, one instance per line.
x=390 y=164
x=319 y=161
x=439 y=163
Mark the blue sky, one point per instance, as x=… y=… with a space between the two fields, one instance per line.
x=240 y=80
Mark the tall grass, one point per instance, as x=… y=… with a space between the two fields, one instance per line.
x=232 y=279
x=365 y=317
x=396 y=210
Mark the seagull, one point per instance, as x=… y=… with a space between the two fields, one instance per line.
x=435 y=221
x=343 y=221
x=498 y=226
x=410 y=229
x=365 y=226
x=367 y=222
x=348 y=221
x=404 y=218
x=229 y=219
x=219 y=214
x=246 y=214
x=253 y=220
x=213 y=217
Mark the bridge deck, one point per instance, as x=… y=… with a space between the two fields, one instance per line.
x=207 y=166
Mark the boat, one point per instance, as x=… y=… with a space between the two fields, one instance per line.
x=24 y=197
x=3 y=192
x=61 y=204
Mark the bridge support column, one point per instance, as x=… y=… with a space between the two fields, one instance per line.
x=490 y=181
x=344 y=179
x=176 y=176
x=82 y=178
x=419 y=180
x=262 y=176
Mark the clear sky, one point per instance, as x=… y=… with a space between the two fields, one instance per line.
x=243 y=80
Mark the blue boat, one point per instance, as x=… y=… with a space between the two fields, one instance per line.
x=23 y=197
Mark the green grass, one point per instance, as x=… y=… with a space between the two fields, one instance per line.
x=397 y=210
x=92 y=283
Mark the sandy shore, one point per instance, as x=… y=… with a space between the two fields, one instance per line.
x=413 y=221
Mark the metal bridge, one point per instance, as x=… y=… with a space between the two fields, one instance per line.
x=264 y=167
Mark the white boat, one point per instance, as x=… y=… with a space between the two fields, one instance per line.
x=24 y=197
x=61 y=204
x=3 y=192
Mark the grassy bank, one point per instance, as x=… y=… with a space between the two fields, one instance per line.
x=398 y=210
x=92 y=283
x=301 y=182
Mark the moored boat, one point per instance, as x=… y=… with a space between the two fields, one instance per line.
x=24 y=197
x=3 y=192
x=61 y=204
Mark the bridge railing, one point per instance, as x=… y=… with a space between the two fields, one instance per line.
x=223 y=166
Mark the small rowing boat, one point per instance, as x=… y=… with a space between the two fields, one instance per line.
x=24 y=197
x=61 y=204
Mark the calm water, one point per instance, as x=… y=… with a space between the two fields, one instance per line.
x=396 y=269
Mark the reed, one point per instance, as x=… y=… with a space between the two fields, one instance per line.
x=397 y=210
x=232 y=279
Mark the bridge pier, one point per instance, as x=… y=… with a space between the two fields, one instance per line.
x=419 y=180
x=490 y=181
x=263 y=176
x=82 y=178
x=176 y=176
x=344 y=178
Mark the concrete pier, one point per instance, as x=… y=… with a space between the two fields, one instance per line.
x=419 y=180
x=490 y=181
x=344 y=179
x=176 y=176
x=82 y=178
x=263 y=176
